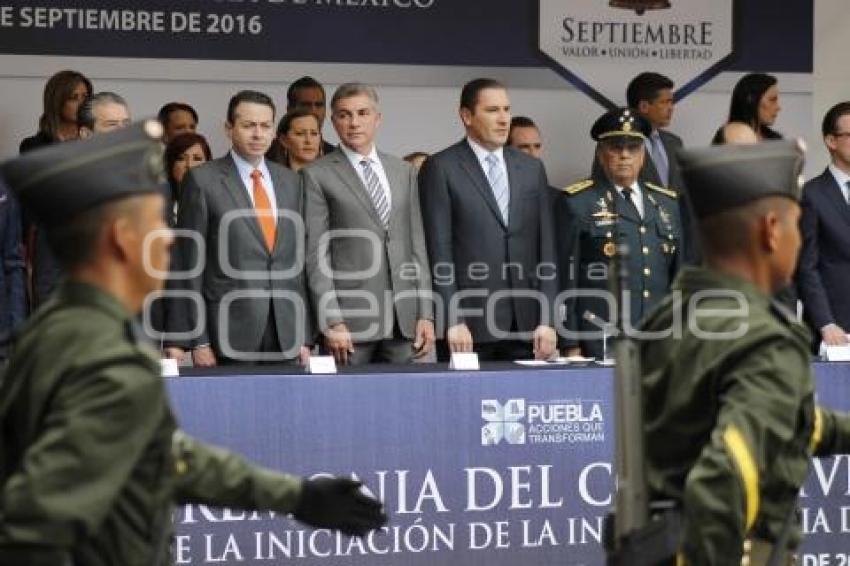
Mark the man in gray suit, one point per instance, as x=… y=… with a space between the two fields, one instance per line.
x=367 y=266
x=488 y=222
x=250 y=301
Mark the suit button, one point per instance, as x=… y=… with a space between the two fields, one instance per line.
x=608 y=235
x=643 y=229
x=646 y=294
x=645 y=250
x=646 y=271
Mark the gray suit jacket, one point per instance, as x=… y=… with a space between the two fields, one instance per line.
x=394 y=262
x=237 y=263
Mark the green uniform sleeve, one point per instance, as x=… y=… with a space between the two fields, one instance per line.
x=96 y=427
x=759 y=399
x=213 y=476
x=832 y=433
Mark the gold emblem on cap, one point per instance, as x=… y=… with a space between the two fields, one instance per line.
x=609 y=249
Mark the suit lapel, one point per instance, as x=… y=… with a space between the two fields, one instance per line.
x=625 y=210
x=514 y=186
x=280 y=196
x=469 y=163
x=236 y=189
x=398 y=182
x=343 y=169
x=835 y=196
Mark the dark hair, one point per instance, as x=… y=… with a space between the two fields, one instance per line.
x=85 y=113
x=252 y=96
x=175 y=149
x=744 y=106
x=520 y=122
x=830 y=119
x=303 y=82
x=59 y=89
x=471 y=90
x=167 y=110
x=276 y=152
x=646 y=87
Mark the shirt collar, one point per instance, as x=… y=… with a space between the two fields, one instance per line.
x=355 y=158
x=245 y=168
x=840 y=177
x=481 y=153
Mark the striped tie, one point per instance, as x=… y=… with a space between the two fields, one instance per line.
x=376 y=192
x=499 y=184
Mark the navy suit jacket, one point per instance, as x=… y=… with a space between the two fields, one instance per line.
x=472 y=249
x=824 y=266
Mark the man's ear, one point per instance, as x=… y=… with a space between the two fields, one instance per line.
x=466 y=116
x=122 y=236
x=643 y=106
x=771 y=228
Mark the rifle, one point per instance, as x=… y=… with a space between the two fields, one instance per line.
x=636 y=533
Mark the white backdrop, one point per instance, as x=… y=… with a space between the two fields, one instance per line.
x=419 y=103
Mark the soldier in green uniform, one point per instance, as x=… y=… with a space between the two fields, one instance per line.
x=91 y=459
x=729 y=411
x=616 y=207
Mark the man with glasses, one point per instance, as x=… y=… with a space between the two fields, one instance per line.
x=595 y=215
x=824 y=265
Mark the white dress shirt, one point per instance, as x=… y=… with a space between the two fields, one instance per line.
x=841 y=178
x=378 y=167
x=637 y=196
x=481 y=154
x=245 y=169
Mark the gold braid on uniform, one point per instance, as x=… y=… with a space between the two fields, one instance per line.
x=737 y=447
x=669 y=192
x=576 y=188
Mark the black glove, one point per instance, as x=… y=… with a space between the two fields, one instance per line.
x=337 y=503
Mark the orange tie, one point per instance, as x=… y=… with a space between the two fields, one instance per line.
x=264 y=209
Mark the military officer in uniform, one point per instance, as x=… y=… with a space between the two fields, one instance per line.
x=91 y=458
x=730 y=418
x=615 y=207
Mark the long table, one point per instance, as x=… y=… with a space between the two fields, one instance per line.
x=502 y=466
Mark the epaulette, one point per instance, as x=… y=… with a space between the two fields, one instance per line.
x=578 y=187
x=669 y=192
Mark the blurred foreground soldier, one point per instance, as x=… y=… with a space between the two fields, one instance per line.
x=730 y=416
x=615 y=207
x=91 y=459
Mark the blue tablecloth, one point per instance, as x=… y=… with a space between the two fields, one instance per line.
x=490 y=467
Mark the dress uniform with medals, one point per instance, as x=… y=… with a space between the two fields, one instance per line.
x=731 y=421
x=91 y=458
x=593 y=216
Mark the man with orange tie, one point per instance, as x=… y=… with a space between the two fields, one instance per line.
x=243 y=290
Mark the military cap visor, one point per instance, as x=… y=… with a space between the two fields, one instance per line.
x=620 y=123
x=65 y=179
x=720 y=178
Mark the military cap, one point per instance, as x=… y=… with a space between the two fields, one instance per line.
x=63 y=180
x=620 y=122
x=722 y=177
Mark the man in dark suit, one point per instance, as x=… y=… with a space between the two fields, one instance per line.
x=252 y=284
x=365 y=242
x=824 y=265
x=596 y=214
x=13 y=301
x=488 y=225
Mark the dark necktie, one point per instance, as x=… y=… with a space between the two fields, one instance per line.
x=627 y=194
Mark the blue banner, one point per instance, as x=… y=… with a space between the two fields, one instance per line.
x=432 y=32
x=497 y=468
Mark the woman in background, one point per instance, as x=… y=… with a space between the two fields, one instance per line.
x=181 y=154
x=755 y=102
x=298 y=142
x=63 y=94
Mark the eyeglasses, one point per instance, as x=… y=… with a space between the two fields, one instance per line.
x=840 y=134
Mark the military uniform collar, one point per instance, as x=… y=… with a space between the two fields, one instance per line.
x=79 y=293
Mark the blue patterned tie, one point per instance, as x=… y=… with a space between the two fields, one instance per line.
x=376 y=192
x=499 y=184
x=659 y=157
